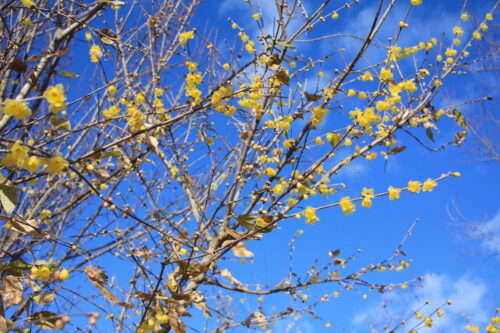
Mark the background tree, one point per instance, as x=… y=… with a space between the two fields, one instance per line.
x=137 y=147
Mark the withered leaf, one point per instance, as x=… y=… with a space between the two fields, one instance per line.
x=199 y=302
x=3 y=324
x=144 y=296
x=36 y=57
x=460 y=137
x=227 y=274
x=59 y=54
x=18 y=65
x=429 y=134
x=179 y=296
x=274 y=61
x=283 y=77
x=176 y=324
x=44 y=298
x=234 y=234
x=312 y=97
x=396 y=150
x=12 y=290
x=240 y=250
x=44 y=319
x=28 y=227
x=96 y=274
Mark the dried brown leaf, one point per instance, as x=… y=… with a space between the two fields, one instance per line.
x=175 y=323
x=12 y=290
x=96 y=274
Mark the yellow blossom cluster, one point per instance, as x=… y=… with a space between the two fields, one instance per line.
x=95 y=53
x=218 y=97
x=16 y=109
x=347 y=206
x=56 y=98
x=192 y=80
x=396 y=53
x=184 y=37
x=253 y=98
x=310 y=215
x=19 y=157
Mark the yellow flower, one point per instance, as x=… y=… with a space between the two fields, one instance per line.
x=111 y=113
x=458 y=31
x=385 y=74
x=472 y=328
x=476 y=35
x=464 y=16
x=140 y=98
x=279 y=189
x=416 y=2
x=184 y=37
x=55 y=164
x=256 y=16
x=40 y=273
x=112 y=90
x=393 y=193
x=367 y=76
x=310 y=214
x=32 y=163
x=414 y=186
x=250 y=47
x=489 y=17
x=64 y=274
x=429 y=185
x=55 y=96
x=335 y=15
x=191 y=66
x=347 y=206
x=16 y=109
x=440 y=313
x=28 y=3
x=428 y=321
x=95 y=53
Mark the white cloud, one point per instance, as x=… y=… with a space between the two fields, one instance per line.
x=468 y=296
x=489 y=233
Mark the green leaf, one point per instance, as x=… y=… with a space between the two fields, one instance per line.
x=249 y=222
x=8 y=195
x=44 y=298
x=15 y=267
x=114 y=153
x=60 y=123
x=44 y=319
x=283 y=44
x=68 y=74
x=459 y=118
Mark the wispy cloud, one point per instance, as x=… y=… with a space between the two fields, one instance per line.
x=488 y=233
x=468 y=295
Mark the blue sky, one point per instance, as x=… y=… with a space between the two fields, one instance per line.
x=455 y=266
